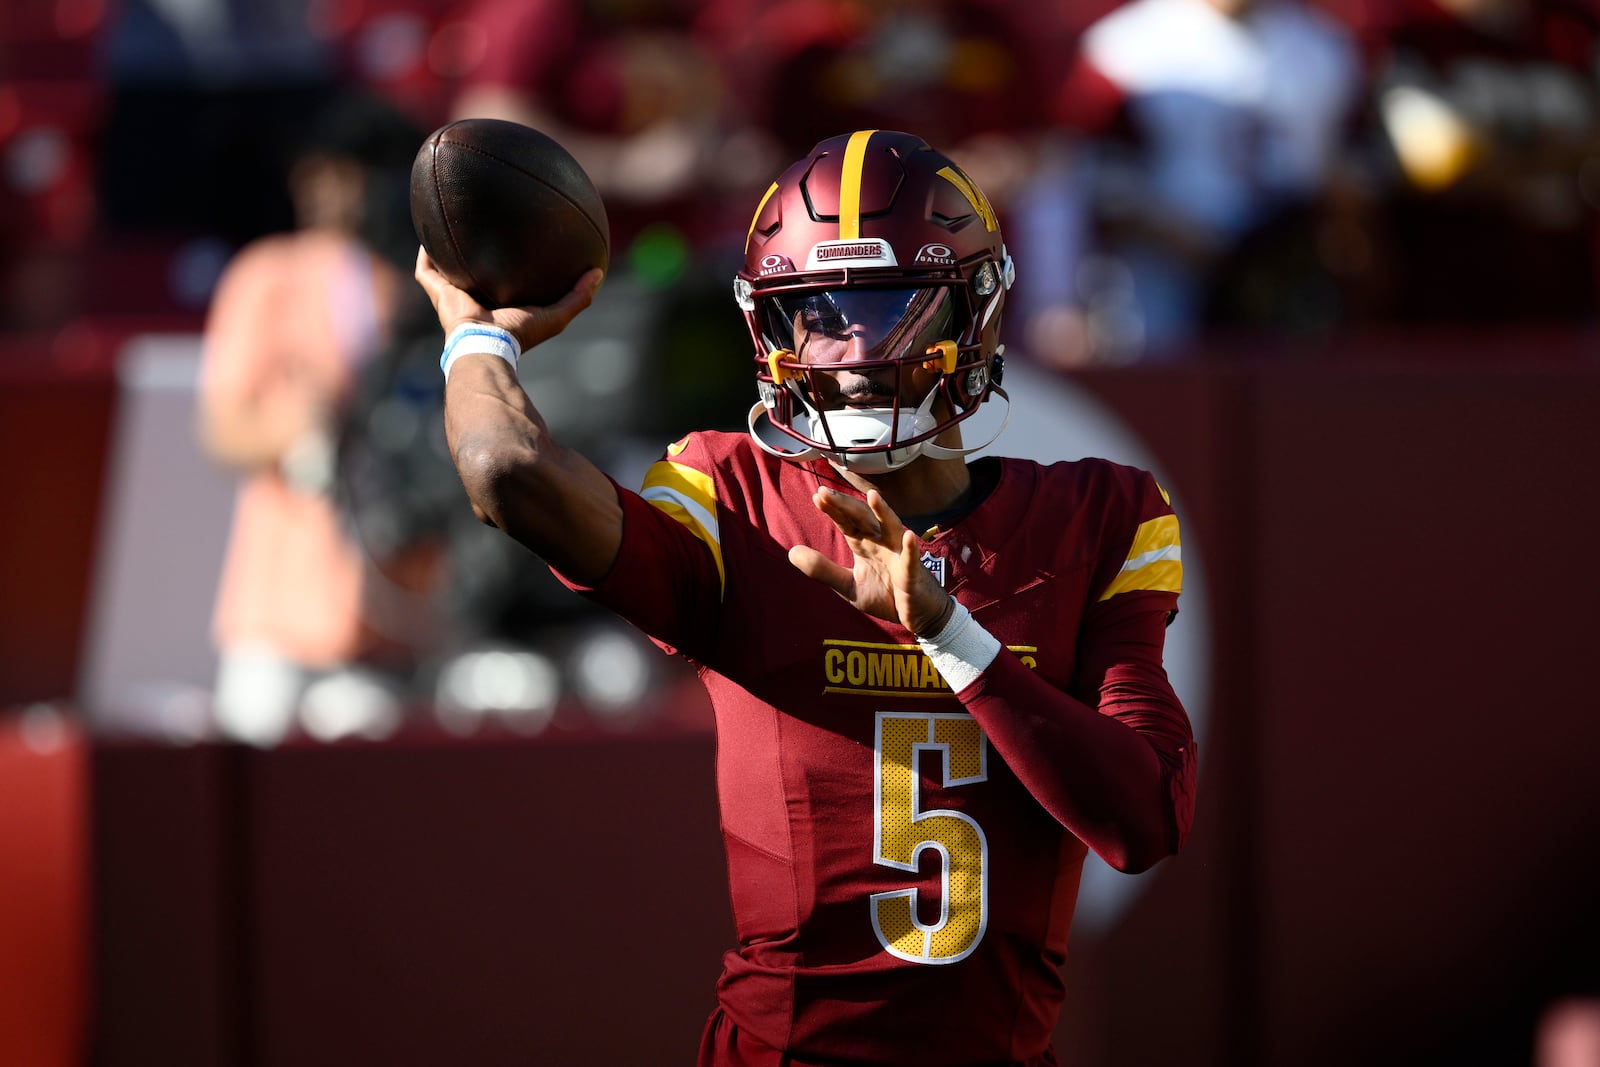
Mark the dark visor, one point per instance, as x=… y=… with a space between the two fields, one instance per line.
x=904 y=317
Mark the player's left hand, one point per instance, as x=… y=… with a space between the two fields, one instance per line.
x=887 y=580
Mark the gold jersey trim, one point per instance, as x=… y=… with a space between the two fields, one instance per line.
x=1155 y=560
x=690 y=497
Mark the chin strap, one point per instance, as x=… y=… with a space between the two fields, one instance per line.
x=938 y=451
x=872 y=462
x=757 y=410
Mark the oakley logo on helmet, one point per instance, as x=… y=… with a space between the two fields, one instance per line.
x=937 y=255
x=851 y=254
x=774 y=264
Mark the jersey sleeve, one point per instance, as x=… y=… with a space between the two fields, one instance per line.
x=1114 y=760
x=1144 y=561
x=668 y=576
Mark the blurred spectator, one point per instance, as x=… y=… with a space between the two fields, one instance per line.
x=1203 y=121
x=294 y=318
x=968 y=76
x=1491 y=109
x=212 y=42
x=48 y=136
x=629 y=89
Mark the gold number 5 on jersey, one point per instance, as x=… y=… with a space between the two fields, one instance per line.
x=902 y=832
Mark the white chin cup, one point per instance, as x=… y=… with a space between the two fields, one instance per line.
x=872 y=428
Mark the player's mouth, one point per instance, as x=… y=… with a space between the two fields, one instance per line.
x=863 y=392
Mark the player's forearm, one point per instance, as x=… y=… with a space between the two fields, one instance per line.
x=1100 y=778
x=550 y=498
x=1120 y=775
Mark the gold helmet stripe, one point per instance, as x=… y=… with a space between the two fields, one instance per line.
x=974 y=195
x=855 y=157
x=751 y=231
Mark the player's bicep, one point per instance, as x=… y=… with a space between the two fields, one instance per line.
x=1120 y=674
x=1120 y=669
x=667 y=575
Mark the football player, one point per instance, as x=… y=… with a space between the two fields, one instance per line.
x=937 y=682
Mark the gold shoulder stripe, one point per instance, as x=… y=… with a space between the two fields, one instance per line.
x=855 y=156
x=974 y=195
x=1155 y=560
x=690 y=497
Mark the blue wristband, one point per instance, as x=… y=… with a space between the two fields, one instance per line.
x=472 y=338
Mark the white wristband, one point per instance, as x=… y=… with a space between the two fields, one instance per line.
x=961 y=650
x=471 y=338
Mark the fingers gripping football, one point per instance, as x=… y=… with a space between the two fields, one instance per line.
x=529 y=325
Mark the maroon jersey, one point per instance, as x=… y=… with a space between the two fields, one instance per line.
x=902 y=869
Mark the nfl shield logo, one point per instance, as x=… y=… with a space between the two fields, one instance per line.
x=935 y=565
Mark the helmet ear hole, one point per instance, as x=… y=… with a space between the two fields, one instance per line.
x=986 y=280
x=973 y=383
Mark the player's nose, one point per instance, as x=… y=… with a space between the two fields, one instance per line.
x=856 y=348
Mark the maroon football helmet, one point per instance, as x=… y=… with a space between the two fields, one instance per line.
x=875 y=236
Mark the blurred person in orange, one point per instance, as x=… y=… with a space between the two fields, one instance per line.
x=294 y=318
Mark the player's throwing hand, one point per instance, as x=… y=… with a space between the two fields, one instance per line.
x=529 y=325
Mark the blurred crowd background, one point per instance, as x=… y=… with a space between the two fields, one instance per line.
x=1164 y=166
x=1176 y=178
x=221 y=396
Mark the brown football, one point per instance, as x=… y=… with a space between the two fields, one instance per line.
x=506 y=213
